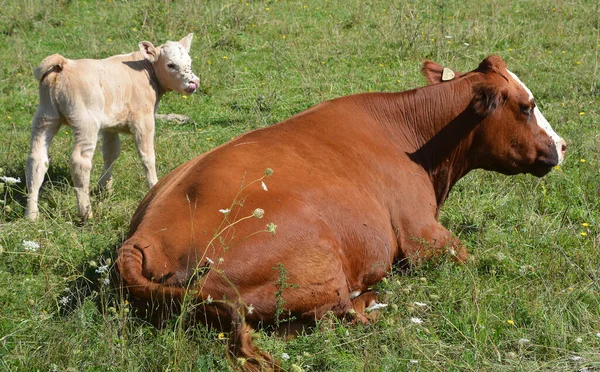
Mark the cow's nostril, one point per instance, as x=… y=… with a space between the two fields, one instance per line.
x=564 y=147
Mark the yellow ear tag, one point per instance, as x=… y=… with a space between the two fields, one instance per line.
x=447 y=74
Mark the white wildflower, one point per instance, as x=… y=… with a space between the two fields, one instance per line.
x=466 y=44
x=598 y=334
x=296 y=368
x=584 y=369
x=221 y=260
x=448 y=37
x=420 y=304
x=413 y=361
x=524 y=341
x=64 y=300
x=525 y=269
x=376 y=306
x=209 y=299
x=225 y=211
x=271 y=227
x=576 y=358
x=416 y=320
x=258 y=213
x=250 y=309
x=285 y=356
x=579 y=340
x=106 y=281
x=10 y=180
x=30 y=246
x=264 y=186
x=102 y=269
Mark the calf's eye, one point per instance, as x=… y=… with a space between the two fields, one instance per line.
x=171 y=65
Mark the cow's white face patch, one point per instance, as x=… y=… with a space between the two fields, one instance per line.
x=177 y=64
x=543 y=123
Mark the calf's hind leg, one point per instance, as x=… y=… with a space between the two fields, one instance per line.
x=81 y=167
x=111 y=149
x=43 y=130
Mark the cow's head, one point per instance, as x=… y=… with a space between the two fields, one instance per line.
x=172 y=64
x=513 y=135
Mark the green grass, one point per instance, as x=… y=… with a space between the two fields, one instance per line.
x=534 y=275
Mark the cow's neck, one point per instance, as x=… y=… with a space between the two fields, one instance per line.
x=148 y=70
x=439 y=121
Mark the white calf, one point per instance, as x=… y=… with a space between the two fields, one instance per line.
x=119 y=94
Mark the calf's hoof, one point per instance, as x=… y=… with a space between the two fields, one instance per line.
x=31 y=215
x=86 y=215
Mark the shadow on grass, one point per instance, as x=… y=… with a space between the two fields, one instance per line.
x=224 y=123
x=15 y=195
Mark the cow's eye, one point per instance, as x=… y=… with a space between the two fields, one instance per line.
x=526 y=109
x=171 y=65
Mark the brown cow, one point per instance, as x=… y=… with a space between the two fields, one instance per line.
x=357 y=185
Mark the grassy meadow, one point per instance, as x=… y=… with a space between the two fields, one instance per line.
x=530 y=298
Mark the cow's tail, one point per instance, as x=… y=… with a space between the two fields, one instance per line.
x=244 y=354
x=53 y=63
x=130 y=261
x=241 y=347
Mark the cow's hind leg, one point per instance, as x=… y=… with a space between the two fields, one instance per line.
x=43 y=129
x=111 y=149
x=363 y=305
x=81 y=166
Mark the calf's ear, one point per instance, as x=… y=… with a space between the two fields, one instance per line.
x=486 y=98
x=187 y=42
x=149 y=51
x=436 y=73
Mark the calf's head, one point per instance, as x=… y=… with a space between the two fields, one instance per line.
x=513 y=136
x=172 y=64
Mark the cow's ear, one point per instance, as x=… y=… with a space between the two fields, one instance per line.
x=436 y=73
x=492 y=63
x=187 y=42
x=149 y=51
x=487 y=97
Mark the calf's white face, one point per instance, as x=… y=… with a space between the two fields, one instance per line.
x=172 y=65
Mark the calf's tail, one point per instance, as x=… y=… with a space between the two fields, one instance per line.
x=241 y=348
x=53 y=63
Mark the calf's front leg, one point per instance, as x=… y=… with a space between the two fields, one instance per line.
x=144 y=141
